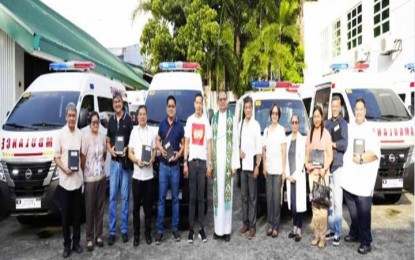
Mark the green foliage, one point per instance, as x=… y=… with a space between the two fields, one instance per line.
x=235 y=41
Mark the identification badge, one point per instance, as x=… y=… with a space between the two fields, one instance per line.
x=336 y=128
x=97 y=169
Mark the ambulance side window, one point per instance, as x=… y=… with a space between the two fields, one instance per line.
x=105 y=104
x=322 y=99
x=88 y=103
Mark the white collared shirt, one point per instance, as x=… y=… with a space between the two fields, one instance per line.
x=250 y=142
x=359 y=179
x=141 y=136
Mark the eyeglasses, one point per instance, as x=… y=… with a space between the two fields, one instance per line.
x=274 y=113
x=294 y=122
x=95 y=122
x=171 y=106
x=222 y=99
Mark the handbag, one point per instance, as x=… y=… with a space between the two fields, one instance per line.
x=321 y=193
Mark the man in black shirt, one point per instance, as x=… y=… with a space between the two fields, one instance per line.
x=118 y=135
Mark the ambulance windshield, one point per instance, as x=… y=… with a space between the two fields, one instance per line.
x=381 y=104
x=40 y=111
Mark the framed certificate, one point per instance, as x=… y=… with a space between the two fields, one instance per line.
x=317 y=158
x=119 y=145
x=358 y=146
x=146 y=154
x=170 y=151
x=73 y=160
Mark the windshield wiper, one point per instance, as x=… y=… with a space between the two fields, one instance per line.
x=395 y=117
x=374 y=118
x=45 y=124
x=20 y=126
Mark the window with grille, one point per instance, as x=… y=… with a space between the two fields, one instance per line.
x=381 y=17
x=336 y=38
x=354 y=27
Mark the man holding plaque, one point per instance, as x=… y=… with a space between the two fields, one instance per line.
x=118 y=136
x=142 y=151
x=337 y=127
x=361 y=163
x=67 y=149
x=170 y=143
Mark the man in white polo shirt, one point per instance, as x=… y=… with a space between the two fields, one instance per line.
x=141 y=136
x=70 y=181
x=250 y=151
x=361 y=163
x=198 y=135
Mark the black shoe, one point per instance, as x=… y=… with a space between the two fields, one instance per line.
x=125 y=237
x=297 y=238
x=364 y=249
x=191 y=237
x=176 y=236
x=149 y=240
x=136 y=241
x=99 y=243
x=159 y=238
x=351 y=239
x=227 y=238
x=66 y=252
x=111 y=240
x=202 y=235
x=291 y=234
x=336 y=240
x=216 y=237
x=329 y=236
x=77 y=248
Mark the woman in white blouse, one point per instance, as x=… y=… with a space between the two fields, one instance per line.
x=296 y=177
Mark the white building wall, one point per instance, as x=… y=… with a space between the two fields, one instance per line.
x=7 y=75
x=319 y=18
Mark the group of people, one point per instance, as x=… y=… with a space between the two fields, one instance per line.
x=216 y=150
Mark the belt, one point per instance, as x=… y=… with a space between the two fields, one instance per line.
x=198 y=160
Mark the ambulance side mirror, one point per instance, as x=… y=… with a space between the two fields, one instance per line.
x=8 y=112
x=83 y=118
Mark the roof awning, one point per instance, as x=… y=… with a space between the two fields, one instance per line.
x=44 y=33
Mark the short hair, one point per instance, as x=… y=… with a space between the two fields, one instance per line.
x=336 y=98
x=141 y=107
x=198 y=94
x=247 y=99
x=224 y=92
x=117 y=94
x=70 y=106
x=279 y=111
x=170 y=97
x=360 y=99
x=91 y=115
x=295 y=115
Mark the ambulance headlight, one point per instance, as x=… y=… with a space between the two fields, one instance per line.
x=55 y=175
x=2 y=175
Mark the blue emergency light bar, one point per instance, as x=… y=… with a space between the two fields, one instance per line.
x=178 y=65
x=71 y=65
x=410 y=66
x=339 y=66
x=263 y=84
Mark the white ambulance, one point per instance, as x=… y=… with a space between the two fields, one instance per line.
x=181 y=80
x=265 y=94
x=404 y=86
x=387 y=114
x=28 y=174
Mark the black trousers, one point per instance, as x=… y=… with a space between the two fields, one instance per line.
x=197 y=182
x=71 y=215
x=142 y=195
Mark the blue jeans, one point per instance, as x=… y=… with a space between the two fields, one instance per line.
x=168 y=175
x=360 y=214
x=336 y=212
x=118 y=176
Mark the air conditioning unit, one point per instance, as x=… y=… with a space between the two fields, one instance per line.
x=388 y=45
x=361 y=55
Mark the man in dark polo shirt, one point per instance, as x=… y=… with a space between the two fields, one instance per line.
x=170 y=134
x=119 y=127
